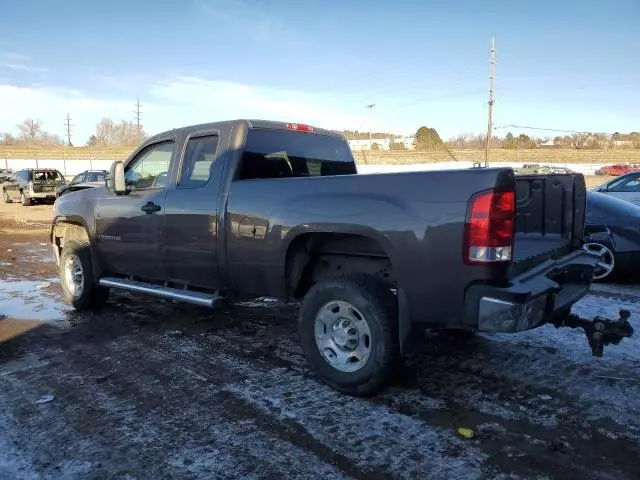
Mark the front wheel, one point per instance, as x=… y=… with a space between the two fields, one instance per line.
x=6 y=197
x=26 y=201
x=349 y=333
x=76 y=277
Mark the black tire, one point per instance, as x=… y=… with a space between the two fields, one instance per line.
x=5 y=196
x=378 y=305
x=91 y=296
x=24 y=200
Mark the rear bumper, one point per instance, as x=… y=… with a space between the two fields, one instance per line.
x=532 y=298
x=42 y=195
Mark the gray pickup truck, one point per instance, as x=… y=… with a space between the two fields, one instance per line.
x=241 y=209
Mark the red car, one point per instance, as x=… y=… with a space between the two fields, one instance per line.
x=619 y=169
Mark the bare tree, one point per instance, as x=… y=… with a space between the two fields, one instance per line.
x=110 y=133
x=30 y=130
x=31 y=133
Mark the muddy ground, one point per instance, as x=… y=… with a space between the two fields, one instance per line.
x=152 y=389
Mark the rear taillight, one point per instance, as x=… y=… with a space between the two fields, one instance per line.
x=489 y=227
x=300 y=127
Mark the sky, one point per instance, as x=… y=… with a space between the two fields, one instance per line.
x=569 y=65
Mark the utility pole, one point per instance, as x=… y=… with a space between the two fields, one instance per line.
x=370 y=107
x=137 y=114
x=67 y=124
x=492 y=61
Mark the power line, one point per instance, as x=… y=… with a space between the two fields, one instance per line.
x=68 y=125
x=559 y=130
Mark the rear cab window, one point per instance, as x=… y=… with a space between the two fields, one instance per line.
x=279 y=153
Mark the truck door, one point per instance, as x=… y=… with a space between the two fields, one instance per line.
x=191 y=214
x=129 y=228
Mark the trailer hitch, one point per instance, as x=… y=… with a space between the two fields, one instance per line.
x=600 y=331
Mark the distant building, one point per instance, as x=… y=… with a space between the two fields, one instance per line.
x=547 y=144
x=622 y=143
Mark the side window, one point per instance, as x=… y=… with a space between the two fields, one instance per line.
x=199 y=157
x=77 y=179
x=149 y=169
x=628 y=184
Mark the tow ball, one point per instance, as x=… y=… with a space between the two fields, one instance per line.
x=600 y=331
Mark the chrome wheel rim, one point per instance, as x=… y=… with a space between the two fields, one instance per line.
x=343 y=336
x=73 y=275
x=606 y=262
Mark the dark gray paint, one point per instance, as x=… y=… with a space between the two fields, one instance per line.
x=234 y=235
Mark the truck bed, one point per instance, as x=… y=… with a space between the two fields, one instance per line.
x=549 y=213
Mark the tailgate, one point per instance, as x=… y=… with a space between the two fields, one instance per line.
x=550 y=215
x=41 y=186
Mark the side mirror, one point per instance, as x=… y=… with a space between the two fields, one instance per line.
x=115 y=180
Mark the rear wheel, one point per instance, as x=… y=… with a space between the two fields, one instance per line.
x=24 y=200
x=349 y=333
x=607 y=262
x=76 y=277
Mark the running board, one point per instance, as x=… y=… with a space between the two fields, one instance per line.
x=187 y=296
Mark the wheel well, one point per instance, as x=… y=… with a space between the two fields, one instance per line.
x=66 y=231
x=312 y=257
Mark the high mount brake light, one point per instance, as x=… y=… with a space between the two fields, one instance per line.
x=489 y=227
x=300 y=127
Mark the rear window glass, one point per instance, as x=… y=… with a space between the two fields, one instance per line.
x=46 y=176
x=285 y=153
x=95 y=176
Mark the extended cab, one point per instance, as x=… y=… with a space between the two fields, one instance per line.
x=248 y=208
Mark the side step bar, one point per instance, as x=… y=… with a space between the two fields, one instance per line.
x=187 y=296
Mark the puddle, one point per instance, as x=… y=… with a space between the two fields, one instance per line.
x=35 y=253
x=30 y=300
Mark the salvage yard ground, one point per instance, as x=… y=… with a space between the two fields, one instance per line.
x=148 y=388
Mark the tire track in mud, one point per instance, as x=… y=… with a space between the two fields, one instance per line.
x=535 y=443
x=143 y=412
x=249 y=357
x=543 y=421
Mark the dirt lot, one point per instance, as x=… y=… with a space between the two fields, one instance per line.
x=153 y=389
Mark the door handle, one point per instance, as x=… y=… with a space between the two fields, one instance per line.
x=150 y=207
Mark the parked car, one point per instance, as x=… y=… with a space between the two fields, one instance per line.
x=619 y=169
x=527 y=169
x=625 y=187
x=612 y=231
x=536 y=169
x=86 y=179
x=32 y=185
x=5 y=174
x=240 y=209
